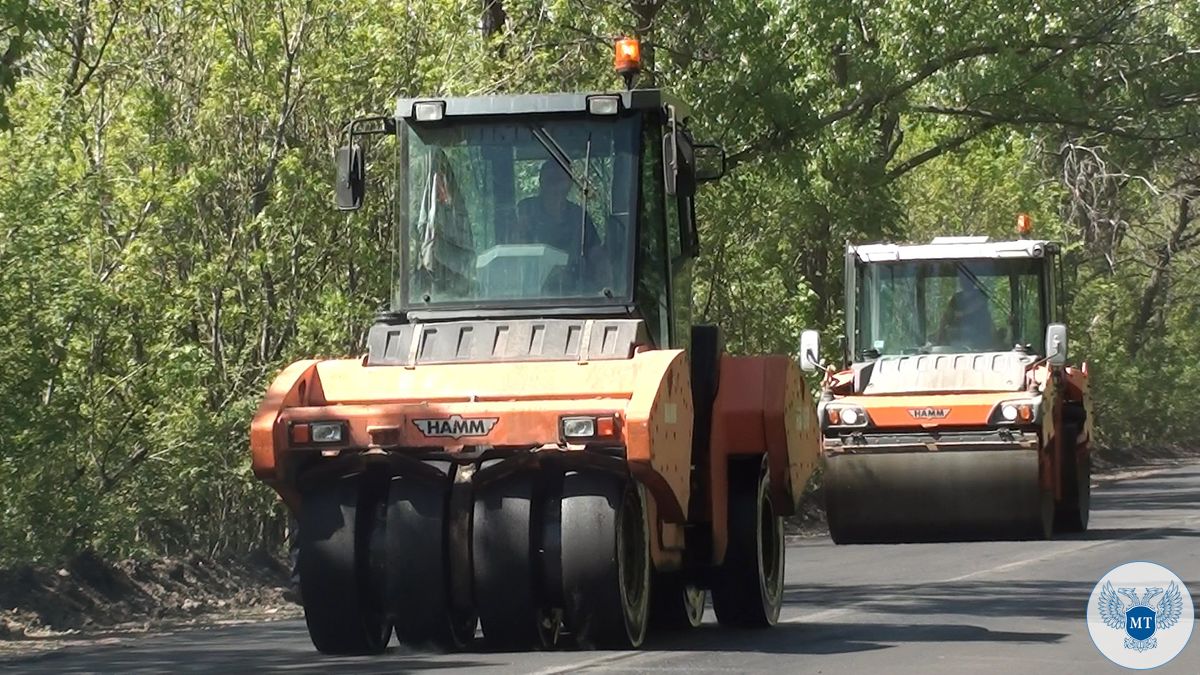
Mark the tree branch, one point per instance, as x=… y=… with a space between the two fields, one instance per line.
x=1034 y=118
x=935 y=151
x=868 y=100
x=94 y=65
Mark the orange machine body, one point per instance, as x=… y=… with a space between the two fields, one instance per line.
x=937 y=416
x=762 y=407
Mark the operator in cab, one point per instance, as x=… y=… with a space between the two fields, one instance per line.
x=551 y=218
x=967 y=321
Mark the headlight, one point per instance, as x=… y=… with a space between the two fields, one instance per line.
x=326 y=432
x=579 y=427
x=845 y=416
x=1025 y=411
x=585 y=427
x=604 y=105
x=429 y=111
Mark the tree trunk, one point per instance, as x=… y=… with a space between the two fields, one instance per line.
x=1155 y=291
x=493 y=17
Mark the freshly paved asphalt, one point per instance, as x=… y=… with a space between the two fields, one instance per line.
x=990 y=607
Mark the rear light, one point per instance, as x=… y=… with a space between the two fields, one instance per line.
x=587 y=427
x=606 y=427
x=300 y=435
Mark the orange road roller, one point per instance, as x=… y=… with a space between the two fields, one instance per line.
x=538 y=443
x=956 y=415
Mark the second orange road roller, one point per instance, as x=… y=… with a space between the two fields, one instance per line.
x=538 y=443
x=956 y=414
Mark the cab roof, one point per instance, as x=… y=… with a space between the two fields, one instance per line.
x=575 y=102
x=955 y=248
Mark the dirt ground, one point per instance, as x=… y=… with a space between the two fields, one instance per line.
x=91 y=600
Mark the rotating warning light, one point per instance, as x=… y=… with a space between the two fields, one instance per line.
x=627 y=56
x=1024 y=224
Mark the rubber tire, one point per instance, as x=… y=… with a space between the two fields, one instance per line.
x=341 y=607
x=748 y=586
x=675 y=604
x=504 y=564
x=705 y=355
x=418 y=579
x=1073 y=512
x=605 y=560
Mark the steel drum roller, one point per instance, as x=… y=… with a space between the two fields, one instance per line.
x=932 y=496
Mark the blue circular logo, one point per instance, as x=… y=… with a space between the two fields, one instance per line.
x=1140 y=615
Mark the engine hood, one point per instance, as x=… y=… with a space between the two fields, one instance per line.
x=991 y=371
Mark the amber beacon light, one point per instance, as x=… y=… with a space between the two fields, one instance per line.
x=627 y=59
x=1024 y=225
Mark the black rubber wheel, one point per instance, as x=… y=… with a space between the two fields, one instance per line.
x=675 y=604
x=1072 y=514
x=418 y=579
x=748 y=586
x=342 y=605
x=705 y=355
x=605 y=560
x=504 y=559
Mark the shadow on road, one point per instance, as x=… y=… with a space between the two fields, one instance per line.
x=1163 y=491
x=1038 y=599
x=1132 y=502
x=1131 y=533
x=835 y=638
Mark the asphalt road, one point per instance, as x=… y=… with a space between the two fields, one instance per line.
x=992 y=607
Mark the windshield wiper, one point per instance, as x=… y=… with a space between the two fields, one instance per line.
x=966 y=272
x=583 y=197
x=557 y=153
x=979 y=285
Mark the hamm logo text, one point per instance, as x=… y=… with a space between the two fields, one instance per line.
x=456 y=426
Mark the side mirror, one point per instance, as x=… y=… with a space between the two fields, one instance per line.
x=351 y=178
x=670 y=162
x=709 y=162
x=1056 y=344
x=810 y=351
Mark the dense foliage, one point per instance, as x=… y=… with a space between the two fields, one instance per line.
x=166 y=241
